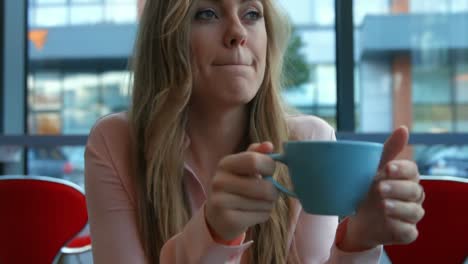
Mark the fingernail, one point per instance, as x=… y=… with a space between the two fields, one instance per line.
x=389 y=204
x=385 y=188
x=393 y=168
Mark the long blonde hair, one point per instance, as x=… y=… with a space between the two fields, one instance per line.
x=162 y=84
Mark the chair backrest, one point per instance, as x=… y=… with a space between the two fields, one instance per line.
x=38 y=215
x=443 y=232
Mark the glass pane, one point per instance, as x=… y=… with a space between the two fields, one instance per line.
x=306 y=12
x=323 y=12
x=459 y=6
x=10 y=155
x=362 y=8
x=81 y=101
x=50 y=2
x=32 y=16
x=86 y=14
x=462 y=117
x=430 y=84
x=70 y=87
x=433 y=118
x=81 y=90
x=61 y=162
x=461 y=81
x=133 y=2
x=121 y=13
x=45 y=123
x=438 y=6
x=310 y=60
x=298 y=11
x=411 y=65
x=86 y=1
x=45 y=91
x=51 y=16
x=11 y=160
x=115 y=92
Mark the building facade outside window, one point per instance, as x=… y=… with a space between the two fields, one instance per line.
x=406 y=70
x=62 y=13
x=411 y=67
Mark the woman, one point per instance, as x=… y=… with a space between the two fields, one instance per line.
x=178 y=180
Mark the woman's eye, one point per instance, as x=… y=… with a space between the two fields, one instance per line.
x=205 y=15
x=253 y=15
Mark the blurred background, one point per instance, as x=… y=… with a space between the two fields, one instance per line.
x=366 y=67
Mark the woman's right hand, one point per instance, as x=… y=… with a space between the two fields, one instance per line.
x=238 y=197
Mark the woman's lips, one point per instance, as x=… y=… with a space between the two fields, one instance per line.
x=232 y=64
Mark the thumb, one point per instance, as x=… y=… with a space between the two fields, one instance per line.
x=394 y=145
x=264 y=147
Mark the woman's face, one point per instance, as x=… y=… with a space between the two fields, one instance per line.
x=228 y=44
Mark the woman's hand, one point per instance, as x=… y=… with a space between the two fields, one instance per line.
x=393 y=206
x=239 y=198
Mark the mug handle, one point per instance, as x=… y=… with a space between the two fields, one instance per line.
x=281 y=158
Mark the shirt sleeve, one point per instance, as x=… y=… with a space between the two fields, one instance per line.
x=196 y=245
x=113 y=227
x=316 y=239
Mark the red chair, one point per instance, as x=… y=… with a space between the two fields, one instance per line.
x=443 y=232
x=75 y=248
x=38 y=216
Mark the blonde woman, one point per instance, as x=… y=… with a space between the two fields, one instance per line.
x=178 y=178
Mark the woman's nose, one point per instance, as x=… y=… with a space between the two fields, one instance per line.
x=236 y=34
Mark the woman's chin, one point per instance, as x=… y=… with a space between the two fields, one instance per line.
x=239 y=94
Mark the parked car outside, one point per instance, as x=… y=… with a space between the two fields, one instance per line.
x=443 y=161
x=48 y=162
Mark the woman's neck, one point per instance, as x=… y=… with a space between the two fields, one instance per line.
x=215 y=134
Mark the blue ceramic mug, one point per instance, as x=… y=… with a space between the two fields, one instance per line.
x=329 y=177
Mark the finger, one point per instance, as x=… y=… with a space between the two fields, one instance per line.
x=422 y=197
x=253 y=217
x=249 y=187
x=248 y=164
x=402 y=232
x=253 y=146
x=402 y=169
x=240 y=203
x=401 y=190
x=394 y=145
x=240 y=221
x=404 y=211
x=264 y=147
x=244 y=218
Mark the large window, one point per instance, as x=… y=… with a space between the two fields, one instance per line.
x=415 y=76
x=411 y=67
x=78 y=72
x=312 y=44
x=69 y=103
x=66 y=95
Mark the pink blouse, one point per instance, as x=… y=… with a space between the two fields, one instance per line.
x=112 y=207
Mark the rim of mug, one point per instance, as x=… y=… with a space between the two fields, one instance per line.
x=337 y=142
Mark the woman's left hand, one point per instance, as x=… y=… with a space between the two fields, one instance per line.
x=393 y=206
